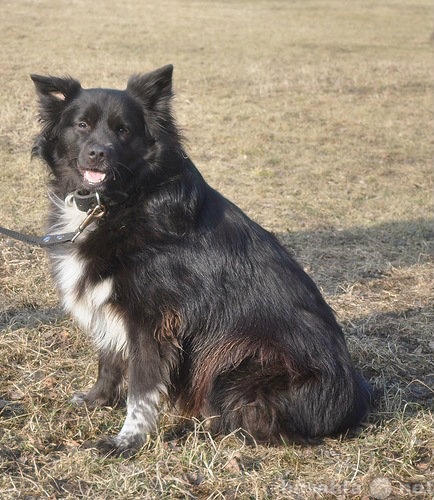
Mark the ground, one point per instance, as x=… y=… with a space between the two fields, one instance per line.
x=315 y=117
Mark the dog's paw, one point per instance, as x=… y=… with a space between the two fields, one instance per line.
x=116 y=446
x=92 y=400
x=83 y=398
x=78 y=399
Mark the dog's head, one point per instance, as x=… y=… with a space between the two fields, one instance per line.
x=101 y=139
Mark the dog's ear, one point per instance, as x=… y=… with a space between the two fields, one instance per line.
x=54 y=93
x=154 y=92
x=154 y=89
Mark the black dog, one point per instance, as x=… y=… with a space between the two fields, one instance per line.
x=182 y=293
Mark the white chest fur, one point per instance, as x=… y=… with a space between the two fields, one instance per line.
x=91 y=304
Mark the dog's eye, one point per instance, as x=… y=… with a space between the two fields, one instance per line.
x=82 y=125
x=123 y=131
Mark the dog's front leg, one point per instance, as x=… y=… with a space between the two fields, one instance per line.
x=107 y=390
x=144 y=388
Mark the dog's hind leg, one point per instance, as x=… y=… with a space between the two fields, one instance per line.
x=107 y=390
x=273 y=407
x=249 y=400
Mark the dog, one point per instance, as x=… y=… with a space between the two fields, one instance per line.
x=184 y=296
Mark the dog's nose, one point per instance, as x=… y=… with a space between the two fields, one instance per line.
x=97 y=153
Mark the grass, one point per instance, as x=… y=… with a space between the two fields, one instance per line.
x=316 y=118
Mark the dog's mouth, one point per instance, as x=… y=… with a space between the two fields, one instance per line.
x=94 y=177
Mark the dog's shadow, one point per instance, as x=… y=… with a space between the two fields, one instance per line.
x=28 y=316
x=336 y=258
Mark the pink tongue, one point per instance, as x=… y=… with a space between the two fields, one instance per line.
x=93 y=176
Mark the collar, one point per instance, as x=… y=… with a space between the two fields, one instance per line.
x=88 y=200
x=93 y=204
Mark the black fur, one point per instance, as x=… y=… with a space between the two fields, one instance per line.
x=217 y=314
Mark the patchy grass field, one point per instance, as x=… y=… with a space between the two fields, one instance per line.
x=315 y=117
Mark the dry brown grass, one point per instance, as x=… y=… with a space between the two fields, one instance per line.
x=315 y=117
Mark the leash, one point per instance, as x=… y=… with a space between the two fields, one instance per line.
x=90 y=203
x=49 y=240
